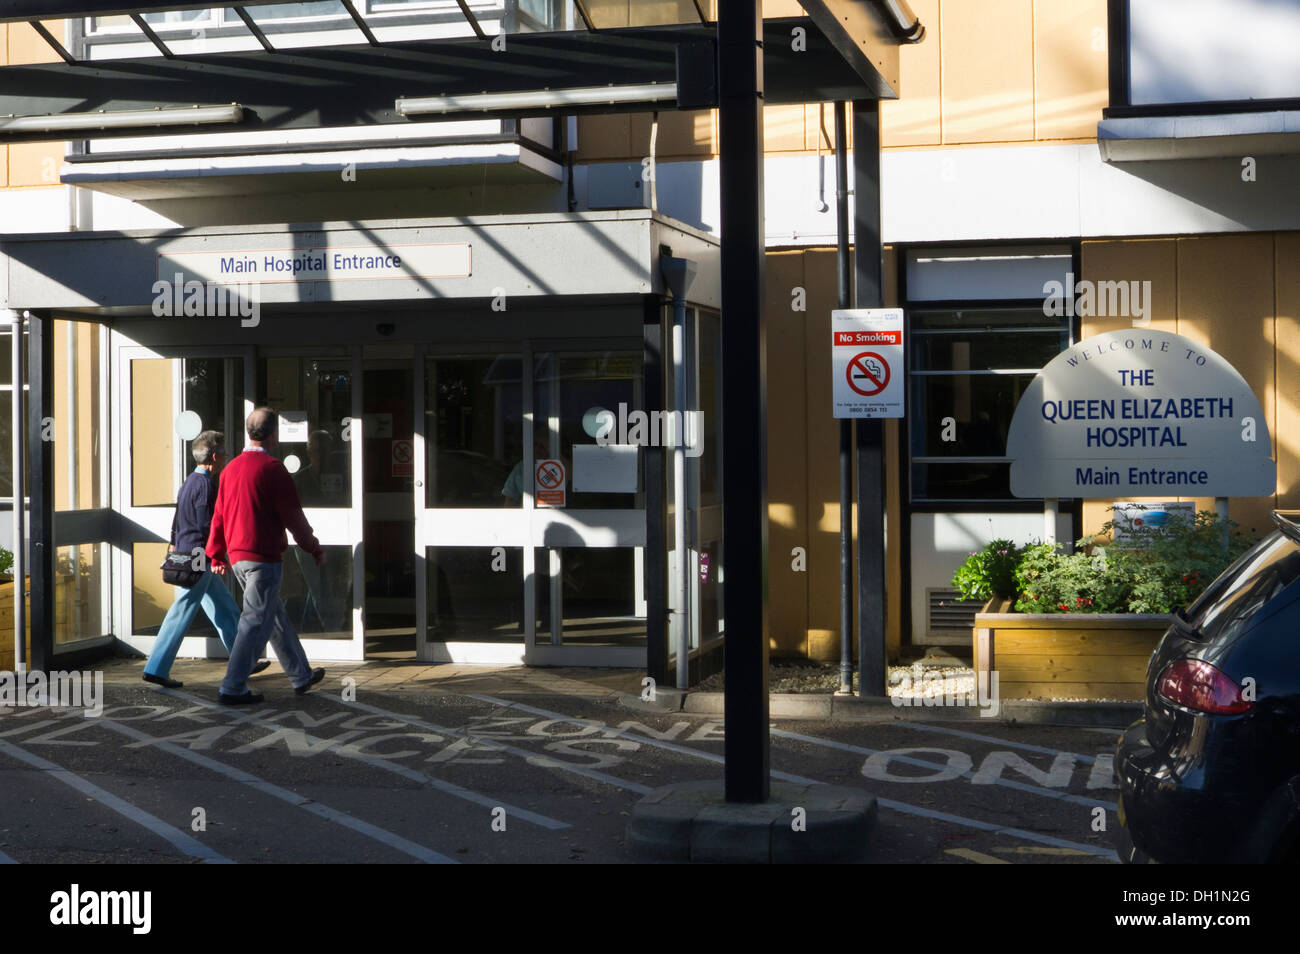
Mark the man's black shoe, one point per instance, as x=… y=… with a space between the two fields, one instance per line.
x=259 y=667
x=248 y=698
x=163 y=681
x=316 y=676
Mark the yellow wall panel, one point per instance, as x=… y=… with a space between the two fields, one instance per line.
x=914 y=118
x=823 y=451
x=786 y=453
x=783 y=128
x=987 y=70
x=1286 y=436
x=1143 y=260
x=35 y=163
x=604 y=137
x=782 y=8
x=1071 y=82
x=26 y=46
x=152 y=448
x=150 y=596
x=1225 y=301
x=607 y=14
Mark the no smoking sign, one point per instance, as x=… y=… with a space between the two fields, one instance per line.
x=867 y=362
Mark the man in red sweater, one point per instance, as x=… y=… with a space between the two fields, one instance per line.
x=256 y=502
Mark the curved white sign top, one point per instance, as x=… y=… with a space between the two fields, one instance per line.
x=1140 y=413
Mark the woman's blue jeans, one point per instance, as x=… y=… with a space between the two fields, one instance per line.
x=209 y=592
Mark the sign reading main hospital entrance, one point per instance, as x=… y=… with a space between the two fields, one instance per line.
x=1140 y=413
x=867 y=362
x=318 y=263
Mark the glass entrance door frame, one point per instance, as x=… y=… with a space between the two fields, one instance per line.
x=333 y=526
x=149 y=524
x=528 y=528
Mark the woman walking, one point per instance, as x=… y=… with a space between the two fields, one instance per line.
x=194 y=506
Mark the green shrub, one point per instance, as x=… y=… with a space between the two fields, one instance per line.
x=989 y=572
x=1161 y=569
x=6 y=560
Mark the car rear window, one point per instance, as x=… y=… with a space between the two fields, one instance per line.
x=1255 y=579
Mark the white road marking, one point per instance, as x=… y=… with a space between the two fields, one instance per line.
x=178 y=838
x=921 y=763
x=6 y=860
x=427 y=855
x=448 y=788
x=535 y=759
x=901 y=807
x=1005 y=743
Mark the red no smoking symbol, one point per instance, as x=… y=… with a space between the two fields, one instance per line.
x=868 y=373
x=550 y=475
x=402 y=453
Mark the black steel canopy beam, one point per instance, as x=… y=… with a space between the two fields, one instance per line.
x=359 y=85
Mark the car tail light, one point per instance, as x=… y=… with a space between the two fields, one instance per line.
x=1196 y=685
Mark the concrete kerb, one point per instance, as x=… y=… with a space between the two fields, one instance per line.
x=800 y=823
x=829 y=707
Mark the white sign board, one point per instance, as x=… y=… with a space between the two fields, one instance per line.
x=293 y=427
x=605 y=468
x=867 y=370
x=1140 y=413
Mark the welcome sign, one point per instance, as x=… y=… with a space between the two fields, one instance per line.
x=1141 y=413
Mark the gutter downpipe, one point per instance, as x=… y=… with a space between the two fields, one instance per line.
x=844 y=269
x=678 y=273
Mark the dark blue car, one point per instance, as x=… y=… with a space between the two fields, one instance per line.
x=1211 y=773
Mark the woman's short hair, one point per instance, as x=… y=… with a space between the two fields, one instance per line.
x=206 y=445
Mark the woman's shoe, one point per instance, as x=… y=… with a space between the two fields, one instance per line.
x=163 y=681
x=259 y=667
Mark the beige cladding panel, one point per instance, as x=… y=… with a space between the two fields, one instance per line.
x=787 y=463
x=987 y=71
x=1286 y=434
x=822 y=439
x=1071 y=82
x=152 y=443
x=1225 y=301
x=914 y=118
x=150 y=596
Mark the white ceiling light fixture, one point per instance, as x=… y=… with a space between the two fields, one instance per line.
x=537 y=99
x=123 y=119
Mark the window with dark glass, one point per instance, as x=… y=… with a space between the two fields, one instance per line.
x=969 y=366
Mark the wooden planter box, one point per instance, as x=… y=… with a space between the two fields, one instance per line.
x=1067 y=655
x=62 y=615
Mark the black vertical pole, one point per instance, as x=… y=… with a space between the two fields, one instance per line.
x=844 y=271
x=40 y=475
x=869 y=293
x=744 y=387
x=656 y=512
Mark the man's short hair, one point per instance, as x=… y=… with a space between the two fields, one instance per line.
x=207 y=445
x=261 y=424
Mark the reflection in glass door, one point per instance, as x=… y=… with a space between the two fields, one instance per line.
x=317 y=400
x=508 y=576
